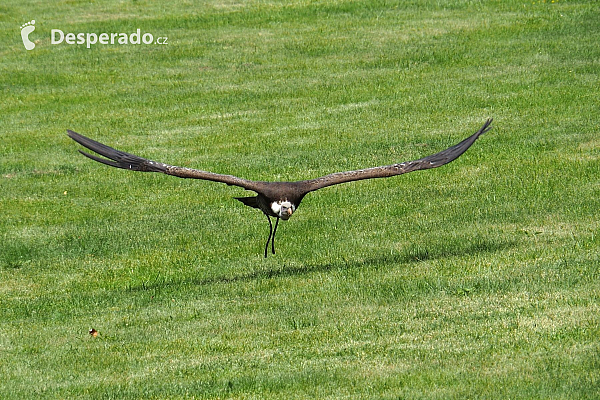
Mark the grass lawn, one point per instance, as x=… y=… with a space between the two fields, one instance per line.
x=480 y=279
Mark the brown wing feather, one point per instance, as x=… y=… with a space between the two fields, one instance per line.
x=273 y=190
x=120 y=159
x=432 y=161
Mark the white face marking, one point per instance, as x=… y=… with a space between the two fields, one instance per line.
x=283 y=209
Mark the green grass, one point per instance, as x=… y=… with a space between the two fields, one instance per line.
x=476 y=280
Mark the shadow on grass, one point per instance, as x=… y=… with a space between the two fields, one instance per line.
x=413 y=254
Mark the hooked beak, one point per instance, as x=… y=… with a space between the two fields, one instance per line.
x=289 y=212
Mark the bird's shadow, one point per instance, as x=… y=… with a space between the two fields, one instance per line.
x=409 y=256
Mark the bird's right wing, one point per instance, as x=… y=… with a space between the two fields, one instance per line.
x=120 y=159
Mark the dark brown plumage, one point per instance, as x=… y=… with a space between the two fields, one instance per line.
x=274 y=199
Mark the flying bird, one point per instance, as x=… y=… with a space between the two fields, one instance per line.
x=275 y=199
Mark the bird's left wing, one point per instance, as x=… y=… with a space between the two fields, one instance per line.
x=432 y=161
x=120 y=159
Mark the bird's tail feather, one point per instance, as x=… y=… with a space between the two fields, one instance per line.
x=249 y=201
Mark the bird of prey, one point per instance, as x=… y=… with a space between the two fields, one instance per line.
x=275 y=199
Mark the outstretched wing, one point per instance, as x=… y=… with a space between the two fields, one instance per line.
x=432 y=161
x=120 y=159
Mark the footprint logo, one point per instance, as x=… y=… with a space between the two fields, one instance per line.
x=26 y=29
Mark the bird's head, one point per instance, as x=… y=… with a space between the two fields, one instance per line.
x=283 y=208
